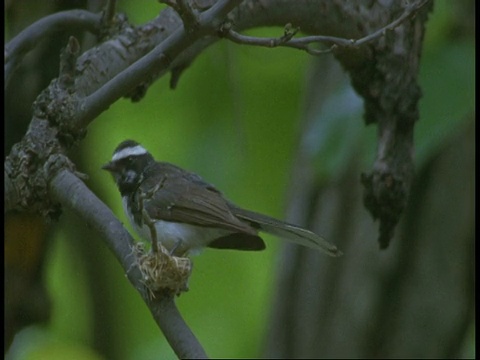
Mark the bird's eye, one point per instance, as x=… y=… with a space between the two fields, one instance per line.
x=130 y=159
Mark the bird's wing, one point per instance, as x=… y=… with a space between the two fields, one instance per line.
x=184 y=197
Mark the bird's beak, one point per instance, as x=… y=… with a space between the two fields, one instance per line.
x=109 y=167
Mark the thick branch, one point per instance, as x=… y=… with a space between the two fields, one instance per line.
x=72 y=193
x=16 y=48
x=155 y=61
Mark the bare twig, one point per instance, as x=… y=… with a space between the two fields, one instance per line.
x=110 y=10
x=68 y=58
x=304 y=43
x=188 y=15
x=409 y=12
x=29 y=38
x=72 y=193
x=277 y=42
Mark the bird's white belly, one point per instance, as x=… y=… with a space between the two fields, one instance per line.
x=171 y=235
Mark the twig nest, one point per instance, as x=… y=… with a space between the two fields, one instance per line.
x=163 y=272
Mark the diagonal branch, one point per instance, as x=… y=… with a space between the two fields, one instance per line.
x=26 y=40
x=157 y=60
x=72 y=193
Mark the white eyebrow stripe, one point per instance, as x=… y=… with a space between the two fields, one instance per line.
x=130 y=151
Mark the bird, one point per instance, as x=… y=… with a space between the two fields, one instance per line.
x=188 y=214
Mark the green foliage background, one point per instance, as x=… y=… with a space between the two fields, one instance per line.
x=234 y=119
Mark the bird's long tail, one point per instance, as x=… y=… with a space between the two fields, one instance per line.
x=287 y=231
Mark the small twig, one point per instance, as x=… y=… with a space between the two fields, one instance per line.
x=186 y=12
x=30 y=37
x=68 y=58
x=110 y=10
x=409 y=10
x=304 y=42
x=175 y=74
x=278 y=42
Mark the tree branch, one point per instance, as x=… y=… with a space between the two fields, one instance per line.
x=110 y=9
x=155 y=61
x=72 y=193
x=26 y=40
x=113 y=69
x=185 y=11
x=303 y=43
x=383 y=72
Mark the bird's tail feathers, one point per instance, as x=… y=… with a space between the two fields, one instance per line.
x=287 y=231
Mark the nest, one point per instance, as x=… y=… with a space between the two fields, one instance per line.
x=163 y=272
